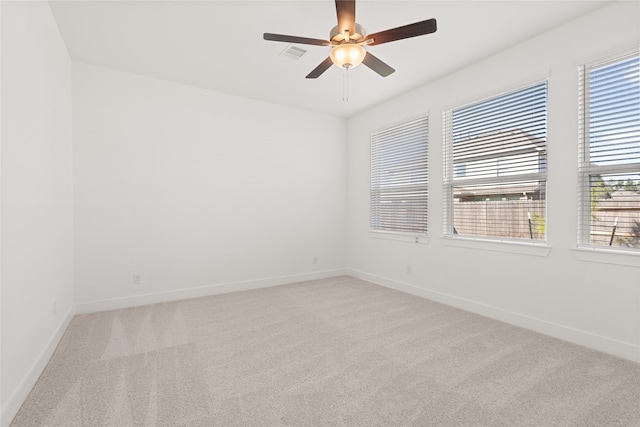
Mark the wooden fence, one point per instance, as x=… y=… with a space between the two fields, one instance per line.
x=620 y=211
x=500 y=218
x=510 y=219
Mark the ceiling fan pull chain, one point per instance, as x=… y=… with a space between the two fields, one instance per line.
x=345 y=85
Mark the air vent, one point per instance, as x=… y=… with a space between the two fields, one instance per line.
x=293 y=52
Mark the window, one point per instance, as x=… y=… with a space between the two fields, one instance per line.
x=609 y=154
x=399 y=178
x=496 y=165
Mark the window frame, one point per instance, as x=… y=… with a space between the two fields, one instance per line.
x=451 y=180
x=420 y=233
x=584 y=248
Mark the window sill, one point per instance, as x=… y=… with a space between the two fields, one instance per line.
x=607 y=256
x=513 y=247
x=400 y=237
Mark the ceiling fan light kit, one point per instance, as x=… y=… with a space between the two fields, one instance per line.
x=348 y=38
x=347 y=55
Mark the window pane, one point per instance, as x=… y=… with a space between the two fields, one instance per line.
x=614 y=113
x=515 y=210
x=524 y=109
x=401 y=211
x=615 y=210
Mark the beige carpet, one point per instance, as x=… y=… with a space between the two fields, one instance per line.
x=336 y=352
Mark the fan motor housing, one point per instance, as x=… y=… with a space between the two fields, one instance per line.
x=337 y=36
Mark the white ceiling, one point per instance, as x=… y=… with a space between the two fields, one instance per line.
x=218 y=45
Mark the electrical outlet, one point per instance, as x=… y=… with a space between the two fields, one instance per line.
x=409 y=269
x=315 y=259
x=137 y=279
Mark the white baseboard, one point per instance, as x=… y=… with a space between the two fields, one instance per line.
x=159 y=297
x=620 y=349
x=16 y=400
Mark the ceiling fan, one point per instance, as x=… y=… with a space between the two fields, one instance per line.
x=348 y=38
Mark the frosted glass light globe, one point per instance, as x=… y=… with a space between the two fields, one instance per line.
x=347 y=55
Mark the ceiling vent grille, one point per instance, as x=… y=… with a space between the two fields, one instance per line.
x=293 y=52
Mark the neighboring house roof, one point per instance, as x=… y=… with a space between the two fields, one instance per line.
x=497 y=144
x=621 y=199
x=625 y=196
x=504 y=144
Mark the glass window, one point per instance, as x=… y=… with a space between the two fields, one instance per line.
x=496 y=165
x=399 y=178
x=609 y=163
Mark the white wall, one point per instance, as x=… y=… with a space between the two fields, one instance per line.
x=199 y=192
x=593 y=302
x=37 y=204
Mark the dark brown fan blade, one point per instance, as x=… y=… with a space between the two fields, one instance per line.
x=412 y=30
x=295 y=39
x=324 y=66
x=377 y=65
x=346 y=11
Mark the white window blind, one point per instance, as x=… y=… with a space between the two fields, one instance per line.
x=399 y=178
x=495 y=166
x=609 y=154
